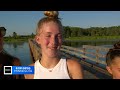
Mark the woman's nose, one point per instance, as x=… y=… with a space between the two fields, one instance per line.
x=54 y=41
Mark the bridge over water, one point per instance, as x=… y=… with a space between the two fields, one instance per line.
x=92 y=58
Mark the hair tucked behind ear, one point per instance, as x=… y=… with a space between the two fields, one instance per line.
x=112 y=53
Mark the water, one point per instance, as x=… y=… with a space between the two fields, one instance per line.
x=19 y=50
x=79 y=44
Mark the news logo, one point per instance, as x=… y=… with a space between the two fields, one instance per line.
x=7 y=70
x=12 y=70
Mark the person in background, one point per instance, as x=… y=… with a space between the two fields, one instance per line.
x=113 y=61
x=52 y=65
x=7 y=59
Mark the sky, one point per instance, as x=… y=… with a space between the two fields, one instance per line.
x=25 y=22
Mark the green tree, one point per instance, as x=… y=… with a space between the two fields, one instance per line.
x=32 y=35
x=14 y=35
x=67 y=32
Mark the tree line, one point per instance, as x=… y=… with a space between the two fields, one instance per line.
x=79 y=32
x=16 y=36
x=92 y=31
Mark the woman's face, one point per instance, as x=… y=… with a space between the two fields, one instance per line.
x=114 y=68
x=50 y=39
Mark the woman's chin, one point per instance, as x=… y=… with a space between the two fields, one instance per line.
x=52 y=55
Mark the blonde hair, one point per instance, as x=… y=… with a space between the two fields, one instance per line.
x=51 y=16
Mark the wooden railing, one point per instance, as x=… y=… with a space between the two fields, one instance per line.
x=35 y=50
x=82 y=52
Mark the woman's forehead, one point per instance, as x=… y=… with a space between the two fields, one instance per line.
x=51 y=24
x=51 y=27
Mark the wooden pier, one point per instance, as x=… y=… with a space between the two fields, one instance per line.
x=90 y=61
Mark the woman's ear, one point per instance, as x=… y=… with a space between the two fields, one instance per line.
x=109 y=69
x=37 y=39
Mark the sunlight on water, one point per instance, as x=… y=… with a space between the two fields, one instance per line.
x=19 y=50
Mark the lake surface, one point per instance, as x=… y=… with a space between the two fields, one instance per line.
x=21 y=49
x=79 y=44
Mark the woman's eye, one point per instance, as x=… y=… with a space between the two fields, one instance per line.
x=48 y=36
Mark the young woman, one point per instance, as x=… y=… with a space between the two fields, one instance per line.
x=52 y=65
x=113 y=61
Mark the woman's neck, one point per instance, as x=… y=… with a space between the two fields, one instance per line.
x=49 y=62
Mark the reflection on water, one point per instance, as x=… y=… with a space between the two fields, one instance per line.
x=79 y=44
x=20 y=50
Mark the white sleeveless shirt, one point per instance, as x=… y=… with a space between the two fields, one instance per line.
x=58 y=72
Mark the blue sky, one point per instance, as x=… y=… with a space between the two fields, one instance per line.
x=24 y=22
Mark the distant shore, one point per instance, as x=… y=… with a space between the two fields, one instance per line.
x=95 y=38
x=84 y=38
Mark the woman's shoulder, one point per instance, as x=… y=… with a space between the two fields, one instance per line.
x=72 y=61
x=75 y=68
x=73 y=64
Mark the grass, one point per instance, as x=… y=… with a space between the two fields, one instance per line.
x=93 y=38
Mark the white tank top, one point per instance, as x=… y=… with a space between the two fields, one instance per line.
x=58 y=72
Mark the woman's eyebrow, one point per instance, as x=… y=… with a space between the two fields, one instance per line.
x=48 y=32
